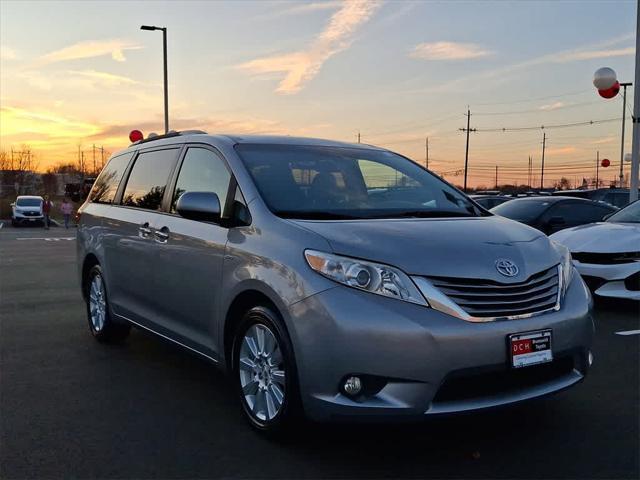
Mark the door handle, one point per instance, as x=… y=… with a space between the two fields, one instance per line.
x=162 y=235
x=144 y=230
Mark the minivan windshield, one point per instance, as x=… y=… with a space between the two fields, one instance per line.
x=325 y=183
x=629 y=214
x=28 y=202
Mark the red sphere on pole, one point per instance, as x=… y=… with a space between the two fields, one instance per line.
x=605 y=162
x=135 y=136
x=610 y=92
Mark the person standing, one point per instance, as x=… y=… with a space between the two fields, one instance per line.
x=66 y=209
x=46 y=211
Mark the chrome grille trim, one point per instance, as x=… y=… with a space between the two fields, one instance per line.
x=478 y=300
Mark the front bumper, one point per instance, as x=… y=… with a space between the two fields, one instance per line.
x=19 y=218
x=422 y=355
x=612 y=281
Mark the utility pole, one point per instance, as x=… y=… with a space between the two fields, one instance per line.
x=94 y=158
x=597 y=168
x=496 y=177
x=358 y=136
x=544 y=145
x=624 y=114
x=101 y=157
x=466 y=153
x=426 y=145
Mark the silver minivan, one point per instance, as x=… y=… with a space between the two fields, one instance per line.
x=331 y=280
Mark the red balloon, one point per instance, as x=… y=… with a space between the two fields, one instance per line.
x=135 y=135
x=610 y=92
x=605 y=162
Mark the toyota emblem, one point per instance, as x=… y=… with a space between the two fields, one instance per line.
x=506 y=267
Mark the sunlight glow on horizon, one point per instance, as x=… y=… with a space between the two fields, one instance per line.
x=394 y=71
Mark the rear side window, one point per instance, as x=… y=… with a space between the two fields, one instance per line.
x=148 y=179
x=105 y=187
x=202 y=171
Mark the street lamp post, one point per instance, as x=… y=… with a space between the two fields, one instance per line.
x=166 y=87
x=624 y=114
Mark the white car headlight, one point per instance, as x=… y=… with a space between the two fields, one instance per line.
x=368 y=276
x=566 y=265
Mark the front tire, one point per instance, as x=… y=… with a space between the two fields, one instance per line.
x=265 y=371
x=101 y=324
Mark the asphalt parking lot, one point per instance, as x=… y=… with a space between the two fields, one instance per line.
x=70 y=407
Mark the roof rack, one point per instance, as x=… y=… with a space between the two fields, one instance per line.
x=172 y=133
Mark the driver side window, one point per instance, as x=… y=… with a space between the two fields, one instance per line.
x=202 y=171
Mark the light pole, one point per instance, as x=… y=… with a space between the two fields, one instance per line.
x=624 y=114
x=635 y=148
x=166 y=89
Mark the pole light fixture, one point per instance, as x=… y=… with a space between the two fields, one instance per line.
x=166 y=87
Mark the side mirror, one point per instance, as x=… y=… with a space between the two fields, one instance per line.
x=13 y=204
x=202 y=206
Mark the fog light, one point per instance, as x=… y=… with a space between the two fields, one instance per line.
x=590 y=358
x=352 y=386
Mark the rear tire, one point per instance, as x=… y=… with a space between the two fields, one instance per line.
x=101 y=323
x=264 y=372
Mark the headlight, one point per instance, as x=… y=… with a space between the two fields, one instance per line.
x=566 y=265
x=368 y=276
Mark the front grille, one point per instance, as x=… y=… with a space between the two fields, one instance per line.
x=606 y=258
x=486 y=298
x=31 y=214
x=632 y=282
x=467 y=386
x=593 y=283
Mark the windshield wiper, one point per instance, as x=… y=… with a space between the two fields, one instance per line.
x=315 y=215
x=424 y=214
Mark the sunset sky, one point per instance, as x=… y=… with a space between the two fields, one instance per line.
x=84 y=73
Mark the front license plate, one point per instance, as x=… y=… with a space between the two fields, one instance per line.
x=530 y=348
x=32 y=219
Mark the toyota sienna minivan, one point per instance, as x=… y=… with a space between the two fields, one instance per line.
x=331 y=280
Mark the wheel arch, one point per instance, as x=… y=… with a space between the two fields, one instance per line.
x=90 y=260
x=242 y=302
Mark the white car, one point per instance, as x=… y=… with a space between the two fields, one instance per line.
x=607 y=254
x=27 y=209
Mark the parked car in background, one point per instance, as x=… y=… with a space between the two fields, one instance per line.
x=550 y=214
x=490 y=201
x=27 y=209
x=607 y=254
x=618 y=197
x=338 y=280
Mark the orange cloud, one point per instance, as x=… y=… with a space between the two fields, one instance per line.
x=302 y=66
x=448 y=51
x=92 y=48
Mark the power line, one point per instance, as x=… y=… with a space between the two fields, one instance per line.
x=548 y=127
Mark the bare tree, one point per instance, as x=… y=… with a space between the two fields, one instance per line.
x=5 y=161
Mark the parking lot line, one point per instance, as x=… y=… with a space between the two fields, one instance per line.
x=47 y=239
x=629 y=332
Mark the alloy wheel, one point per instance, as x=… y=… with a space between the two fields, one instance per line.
x=97 y=303
x=262 y=373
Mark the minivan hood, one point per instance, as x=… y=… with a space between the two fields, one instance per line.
x=27 y=209
x=448 y=247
